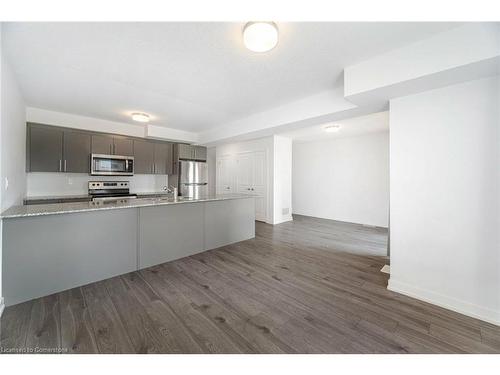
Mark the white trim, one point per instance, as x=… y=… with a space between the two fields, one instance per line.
x=386 y=269
x=2 y=306
x=450 y=303
x=284 y=219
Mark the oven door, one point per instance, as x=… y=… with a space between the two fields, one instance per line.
x=111 y=165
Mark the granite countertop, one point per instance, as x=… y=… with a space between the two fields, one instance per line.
x=64 y=208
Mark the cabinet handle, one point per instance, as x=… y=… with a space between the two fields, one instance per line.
x=64 y=165
x=60 y=165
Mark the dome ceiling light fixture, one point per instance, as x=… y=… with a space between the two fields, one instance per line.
x=140 y=117
x=331 y=128
x=260 y=36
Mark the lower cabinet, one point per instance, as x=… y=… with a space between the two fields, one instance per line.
x=170 y=232
x=50 y=253
x=47 y=254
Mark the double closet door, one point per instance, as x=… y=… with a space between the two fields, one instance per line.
x=245 y=173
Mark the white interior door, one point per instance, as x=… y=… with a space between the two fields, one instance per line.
x=259 y=185
x=225 y=175
x=244 y=172
x=251 y=178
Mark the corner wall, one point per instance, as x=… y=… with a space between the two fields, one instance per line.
x=282 y=180
x=12 y=144
x=445 y=197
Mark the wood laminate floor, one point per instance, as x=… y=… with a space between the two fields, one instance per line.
x=307 y=286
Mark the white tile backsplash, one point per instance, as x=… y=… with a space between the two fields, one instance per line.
x=49 y=184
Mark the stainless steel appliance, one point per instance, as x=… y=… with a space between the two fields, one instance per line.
x=111 y=165
x=109 y=190
x=193 y=179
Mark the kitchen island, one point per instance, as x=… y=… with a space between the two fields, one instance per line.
x=48 y=248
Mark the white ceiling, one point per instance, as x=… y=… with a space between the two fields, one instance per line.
x=188 y=76
x=372 y=123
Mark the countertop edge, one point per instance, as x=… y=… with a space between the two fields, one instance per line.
x=138 y=204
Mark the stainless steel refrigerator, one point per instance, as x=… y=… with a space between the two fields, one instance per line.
x=193 y=179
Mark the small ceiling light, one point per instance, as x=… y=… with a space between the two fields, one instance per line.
x=331 y=128
x=260 y=36
x=140 y=117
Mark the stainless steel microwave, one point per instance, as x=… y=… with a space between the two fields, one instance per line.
x=111 y=165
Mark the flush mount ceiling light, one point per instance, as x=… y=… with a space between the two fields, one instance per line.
x=260 y=36
x=140 y=117
x=331 y=128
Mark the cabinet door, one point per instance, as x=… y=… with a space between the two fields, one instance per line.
x=123 y=146
x=185 y=151
x=45 y=149
x=102 y=144
x=200 y=153
x=76 y=152
x=143 y=157
x=170 y=159
x=160 y=158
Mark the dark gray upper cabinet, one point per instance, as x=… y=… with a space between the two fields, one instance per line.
x=57 y=149
x=200 y=153
x=163 y=158
x=143 y=157
x=102 y=144
x=112 y=145
x=123 y=146
x=45 y=149
x=76 y=152
x=190 y=152
x=170 y=158
x=160 y=157
x=185 y=151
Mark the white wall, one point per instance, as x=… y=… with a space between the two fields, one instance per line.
x=59 y=184
x=282 y=180
x=13 y=147
x=445 y=193
x=345 y=179
x=12 y=144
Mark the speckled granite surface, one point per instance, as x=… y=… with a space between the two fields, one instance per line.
x=65 y=208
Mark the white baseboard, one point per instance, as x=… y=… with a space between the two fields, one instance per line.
x=450 y=303
x=284 y=219
x=2 y=306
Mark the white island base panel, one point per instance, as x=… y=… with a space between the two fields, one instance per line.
x=47 y=254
